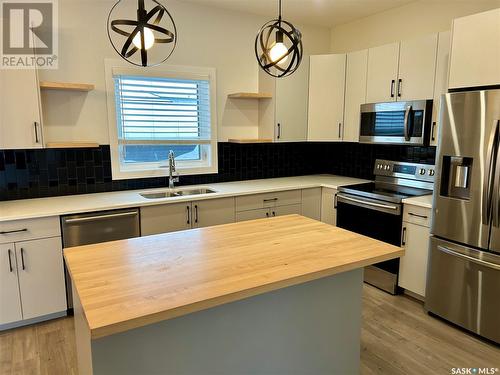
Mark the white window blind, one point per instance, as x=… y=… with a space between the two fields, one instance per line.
x=153 y=110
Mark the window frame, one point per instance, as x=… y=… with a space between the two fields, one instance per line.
x=207 y=165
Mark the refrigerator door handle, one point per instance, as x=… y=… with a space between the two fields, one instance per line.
x=469 y=258
x=496 y=184
x=488 y=176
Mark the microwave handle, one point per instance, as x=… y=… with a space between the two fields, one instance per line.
x=406 y=123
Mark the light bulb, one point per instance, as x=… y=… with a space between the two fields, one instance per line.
x=149 y=39
x=277 y=51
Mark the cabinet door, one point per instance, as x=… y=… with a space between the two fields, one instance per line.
x=291 y=106
x=475 y=50
x=328 y=210
x=417 y=68
x=41 y=277
x=441 y=81
x=20 y=119
x=382 y=73
x=286 y=210
x=213 y=212
x=355 y=93
x=165 y=218
x=326 y=97
x=311 y=203
x=413 y=265
x=10 y=300
x=260 y=213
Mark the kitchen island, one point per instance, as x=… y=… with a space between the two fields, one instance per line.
x=270 y=296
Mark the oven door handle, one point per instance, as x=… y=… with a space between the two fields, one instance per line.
x=369 y=203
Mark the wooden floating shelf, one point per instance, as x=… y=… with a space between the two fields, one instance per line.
x=72 y=145
x=84 y=87
x=250 y=95
x=260 y=140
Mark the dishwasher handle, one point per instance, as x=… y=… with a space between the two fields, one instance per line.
x=100 y=217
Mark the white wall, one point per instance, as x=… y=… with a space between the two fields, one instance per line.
x=207 y=37
x=405 y=22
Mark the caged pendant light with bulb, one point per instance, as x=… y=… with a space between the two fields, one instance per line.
x=138 y=40
x=278 y=47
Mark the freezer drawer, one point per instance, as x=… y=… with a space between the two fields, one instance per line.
x=463 y=286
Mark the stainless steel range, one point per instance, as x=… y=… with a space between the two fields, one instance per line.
x=375 y=210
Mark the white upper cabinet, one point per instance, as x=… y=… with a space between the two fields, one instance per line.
x=355 y=93
x=475 y=50
x=441 y=81
x=417 y=68
x=326 y=97
x=283 y=118
x=20 y=110
x=382 y=75
x=402 y=71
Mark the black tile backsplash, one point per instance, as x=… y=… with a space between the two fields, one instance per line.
x=51 y=172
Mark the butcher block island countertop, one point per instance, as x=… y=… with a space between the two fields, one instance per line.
x=132 y=283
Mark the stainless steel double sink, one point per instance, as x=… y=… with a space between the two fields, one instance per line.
x=177 y=193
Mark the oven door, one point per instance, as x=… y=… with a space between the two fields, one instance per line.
x=376 y=219
x=396 y=122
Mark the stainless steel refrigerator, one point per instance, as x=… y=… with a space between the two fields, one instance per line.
x=463 y=280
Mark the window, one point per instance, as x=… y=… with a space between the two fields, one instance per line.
x=157 y=110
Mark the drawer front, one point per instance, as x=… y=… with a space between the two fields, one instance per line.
x=22 y=230
x=266 y=200
x=417 y=215
x=261 y=213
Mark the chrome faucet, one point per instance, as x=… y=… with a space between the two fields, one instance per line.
x=172 y=172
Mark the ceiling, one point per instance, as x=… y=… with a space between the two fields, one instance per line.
x=327 y=13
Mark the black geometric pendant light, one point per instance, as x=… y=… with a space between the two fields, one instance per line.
x=147 y=40
x=278 y=47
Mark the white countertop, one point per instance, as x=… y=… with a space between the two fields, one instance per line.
x=54 y=206
x=423 y=201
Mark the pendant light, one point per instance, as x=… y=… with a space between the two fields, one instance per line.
x=278 y=47
x=141 y=41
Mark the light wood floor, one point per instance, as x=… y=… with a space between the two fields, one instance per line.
x=398 y=338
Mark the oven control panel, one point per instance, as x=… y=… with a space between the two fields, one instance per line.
x=414 y=171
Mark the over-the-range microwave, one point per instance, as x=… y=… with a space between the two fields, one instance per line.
x=401 y=123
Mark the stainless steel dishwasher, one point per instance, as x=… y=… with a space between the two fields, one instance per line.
x=97 y=227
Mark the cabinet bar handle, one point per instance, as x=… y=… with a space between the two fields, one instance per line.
x=340 y=130
x=433 y=131
x=417 y=215
x=393 y=82
x=279 y=130
x=270 y=200
x=188 y=215
x=403 y=240
x=267 y=214
x=22 y=259
x=274 y=213
x=10 y=261
x=196 y=213
x=14 y=231
x=400 y=86
x=35 y=125
x=335 y=201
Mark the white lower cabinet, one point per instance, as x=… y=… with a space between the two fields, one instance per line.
x=10 y=299
x=41 y=277
x=31 y=280
x=311 y=203
x=416 y=235
x=213 y=212
x=180 y=216
x=328 y=210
